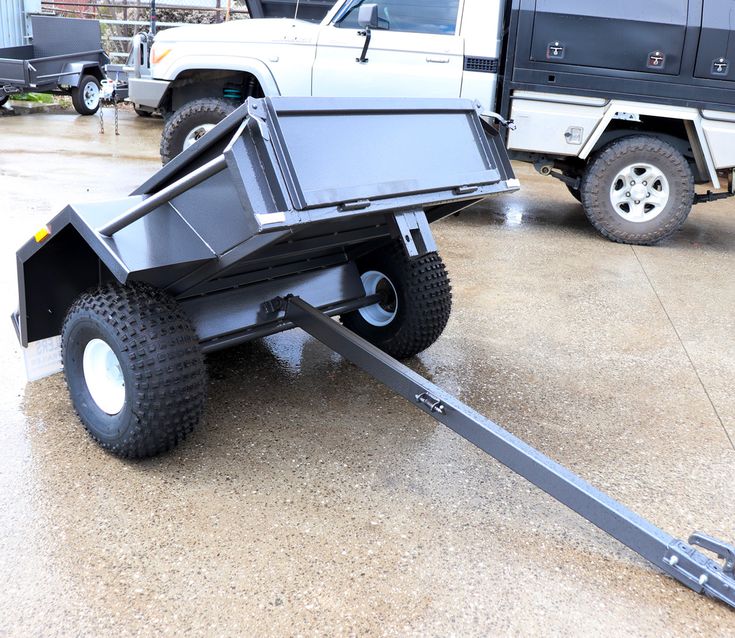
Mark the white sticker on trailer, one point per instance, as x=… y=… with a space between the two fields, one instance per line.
x=43 y=358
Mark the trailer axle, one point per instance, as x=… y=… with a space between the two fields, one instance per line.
x=677 y=558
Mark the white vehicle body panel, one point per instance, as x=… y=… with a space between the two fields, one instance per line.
x=399 y=64
x=279 y=52
x=481 y=27
x=719 y=129
x=545 y=121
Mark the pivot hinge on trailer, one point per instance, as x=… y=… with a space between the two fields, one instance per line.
x=675 y=557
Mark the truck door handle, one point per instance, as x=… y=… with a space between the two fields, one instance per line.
x=437 y=60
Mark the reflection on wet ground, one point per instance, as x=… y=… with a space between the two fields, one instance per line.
x=312 y=500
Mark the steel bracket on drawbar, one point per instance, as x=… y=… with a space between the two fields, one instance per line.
x=413 y=229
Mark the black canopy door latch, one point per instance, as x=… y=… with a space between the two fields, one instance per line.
x=555 y=51
x=720 y=66
x=656 y=60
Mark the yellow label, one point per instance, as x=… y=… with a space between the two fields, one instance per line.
x=42 y=234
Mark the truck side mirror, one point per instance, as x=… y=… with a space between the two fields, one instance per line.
x=367 y=16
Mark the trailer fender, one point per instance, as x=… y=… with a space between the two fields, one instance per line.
x=73 y=72
x=49 y=280
x=68 y=256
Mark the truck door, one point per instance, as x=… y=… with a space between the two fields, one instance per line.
x=716 y=55
x=415 y=53
x=628 y=35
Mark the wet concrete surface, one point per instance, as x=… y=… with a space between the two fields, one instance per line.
x=312 y=501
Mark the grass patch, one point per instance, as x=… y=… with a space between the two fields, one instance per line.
x=43 y=98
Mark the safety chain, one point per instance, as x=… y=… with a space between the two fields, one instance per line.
x=117 y=117
x=114 y=104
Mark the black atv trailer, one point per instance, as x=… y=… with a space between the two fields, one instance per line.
x=288 y=213
x=65 y=58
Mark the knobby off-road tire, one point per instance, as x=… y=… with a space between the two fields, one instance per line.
x=416 y=301
x=191 y=122
x=139 y=337
x=603 y=190
x=86 y=98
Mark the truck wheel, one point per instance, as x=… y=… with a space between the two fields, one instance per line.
x=191 y=122
x=134 y=369
x=638 y=190
x=415 y=301
x=86 y=97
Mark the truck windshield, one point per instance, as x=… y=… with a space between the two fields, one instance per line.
x=347 y=6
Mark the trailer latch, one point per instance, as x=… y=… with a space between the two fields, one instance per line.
x=725 y=551
x=434 y=404
x=465 y=190
x=358 y=204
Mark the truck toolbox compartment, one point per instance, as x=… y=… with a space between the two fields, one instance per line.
x=627 y=35
x=716 y=53
x=671 y=52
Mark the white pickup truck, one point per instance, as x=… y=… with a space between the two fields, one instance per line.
x=630 y=106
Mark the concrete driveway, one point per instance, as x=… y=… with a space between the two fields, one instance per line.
x=312 y=501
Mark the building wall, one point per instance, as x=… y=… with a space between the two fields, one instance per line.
x=14 y=25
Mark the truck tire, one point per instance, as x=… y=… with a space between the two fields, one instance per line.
x=415 y=305
x=190 y=123
x=86 y=97
x=638 y=190
x=134 y=369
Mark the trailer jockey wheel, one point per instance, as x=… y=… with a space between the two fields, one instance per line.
x=134 y=368
x=86 y=97
x=415 y=300
x=638 y=190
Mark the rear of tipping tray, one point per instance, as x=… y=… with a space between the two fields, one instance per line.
x=328 y=153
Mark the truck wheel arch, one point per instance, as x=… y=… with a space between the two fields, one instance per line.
x=185 y=75
x=679 y=127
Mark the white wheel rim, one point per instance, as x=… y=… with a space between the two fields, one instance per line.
x=197 y=133
x=639 y=192
x=91 y=95
x=382 y=313
x=103 y=376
